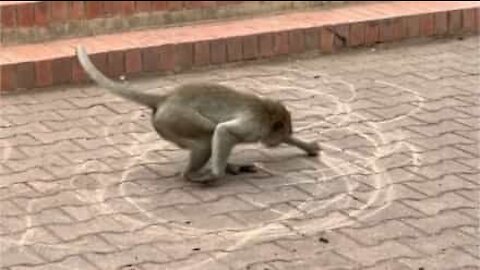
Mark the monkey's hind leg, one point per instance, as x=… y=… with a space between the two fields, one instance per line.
x=199 y=156
x=189 y=130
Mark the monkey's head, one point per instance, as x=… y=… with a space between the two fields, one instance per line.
x=280 y=124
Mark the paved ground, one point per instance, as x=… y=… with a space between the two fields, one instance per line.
x=85 y=183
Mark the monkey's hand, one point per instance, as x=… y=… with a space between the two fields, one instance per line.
x=312 y=148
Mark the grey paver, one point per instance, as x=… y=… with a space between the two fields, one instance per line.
x=85 y=182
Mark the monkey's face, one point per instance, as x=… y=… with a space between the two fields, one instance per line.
x=280 y=129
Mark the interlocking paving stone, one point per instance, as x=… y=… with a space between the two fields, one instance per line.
x=87 y=184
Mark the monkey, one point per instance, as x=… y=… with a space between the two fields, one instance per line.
x=208 y=119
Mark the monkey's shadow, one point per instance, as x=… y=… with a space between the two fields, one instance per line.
x=160 y=191
x=269 y=164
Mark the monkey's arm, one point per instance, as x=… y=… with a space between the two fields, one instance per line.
x=311 y=148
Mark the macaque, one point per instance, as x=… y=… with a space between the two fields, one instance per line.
x=209 y=120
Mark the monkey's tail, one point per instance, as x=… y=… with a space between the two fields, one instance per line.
x=127 y=91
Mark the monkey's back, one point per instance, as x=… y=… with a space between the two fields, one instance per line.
x=216 y=102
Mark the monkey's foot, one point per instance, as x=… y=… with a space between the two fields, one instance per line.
x=236 y=169
x=205 y=178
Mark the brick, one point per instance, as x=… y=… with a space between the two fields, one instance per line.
x=25 y=176
x=78 y=113
x=310 y=226
x=59 y=11
x=281 y=43
x=413 y=26
x=388 y=264
x=449 y=183
x=100 y=61
x=357 y=34
x=327 y=41
x=392 y=112
x=94 y=9
x=116 y=63
x=437 y=205
x=218 y=51
x=133 y=61
x=16 y=255
x=26 y=164
x=266 y=45
x=341 y=35
x=396 y=210
x=468 y=20
x=169 y=198
x=311 y=247
x=221 y=206
x=40 y=150
x=43 y=73
x=23 y=129
x=25 y=74
x=97 y=225
x=25 y=15
x=441 y=23
x=386 y=33
x=159 y=5
x=143 y=6
x=296 y=41
x=112 y=8
x=427 y=25
x=10 y=209
x=442 y=114
x=127 y=7
x=455 y=21
x=372 y=33
x=234 y=49
x=124 y=259
x=440 y=141
x=371 y=255
x=168 y=57
x=77 y=10
x=276 y=196
x=192 y=4
x=250 y=47
x=438 y=223
x=187 y=262
x=62 y=70
x=71 y=261
x=452 y=258
x=323 y=260
x=477 y=19
x=445 y=167
x=386 y=231
x=8 y=79
x=42 y=14
x=437 y=155
x=201 y=51
x=400 y=29
x=257 y=253
x=150 y=59
x=174 y=5
x=183 y=53
x=312 y=39
x=436 y=129
x=8 y=16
